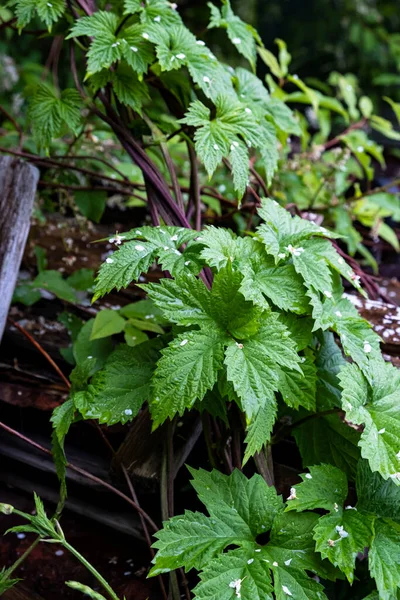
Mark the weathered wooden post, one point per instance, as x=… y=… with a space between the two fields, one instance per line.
x=18 y=181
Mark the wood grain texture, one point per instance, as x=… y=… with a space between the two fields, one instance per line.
x=18 y=181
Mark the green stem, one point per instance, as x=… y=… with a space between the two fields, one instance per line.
x=21 y=559
x=91 y=569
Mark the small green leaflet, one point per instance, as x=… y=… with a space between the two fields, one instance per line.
x=233 y=127
x=187 y=369
x=49 y=12
x=133 y=258
x=108 y=46
x=50 y=112
x=53 y=282
x=242 y=35
x=256 y=505
x=117 y=392
x=86 y=349
x=75 y=585
x=384 y=558
x=324 y=486
x=341 y=535
x=191 y=540
x=374 y=404
x=107 y=322
x=184 y=301
x=260 y=428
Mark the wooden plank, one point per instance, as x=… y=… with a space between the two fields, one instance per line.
x=21 y=593
x=18 y=181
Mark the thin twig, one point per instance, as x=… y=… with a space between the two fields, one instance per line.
x=41 y=350
x=144 y=527
x=84 y=473
x=194 y=185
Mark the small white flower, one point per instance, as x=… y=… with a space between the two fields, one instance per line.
x=348 y=507
x=294 y=251
x=216 y=147
x=340 y=260
x=166 y=248
x=287 y=562
x=109 y=261
x=117 y=240
x=236 y=585
x=281 y=255
x=183 y=342
x=360 y=148
x=187 y=262
x=338 y=313
x=355 y=278
x=251 y=560
x=381 y=431
x=181 y=56
x=293 y=495
x=328 y=294
x=49 y=4
x=248 y=110
x=200 y=43
x=308 y=476
x=133 y=48
x=295 y=76
x=174 y=238
x=206 y=79
x=236 y=144
x=128 y=412
x=240 y=346
x=336 y=507
x=173 y=5
x=145 y=36
x=286 y=591
x=232 y=147
x=341 y=531
x=258 y=550
x=115 y=45
x=139 y=248
x=157 y=19
x=275 y=564
x=236 y=41
x=367 y=347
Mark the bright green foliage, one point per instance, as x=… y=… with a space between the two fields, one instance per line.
x=5 y=582
x=240 y=509
x=323 y=487
x=384 y=558
x=229 y=134
x=49 y=12
x=50 y=112
x=116 y=393
x=374 y=403
x=242 y=322
x=106 y=323
x=242 y=35
x=188 y=368
x=341 y=535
